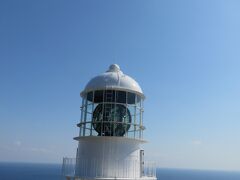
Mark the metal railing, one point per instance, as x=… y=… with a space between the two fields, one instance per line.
x=149 y=169
x=123 y=168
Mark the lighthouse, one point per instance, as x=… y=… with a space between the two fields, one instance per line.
x=110 y=131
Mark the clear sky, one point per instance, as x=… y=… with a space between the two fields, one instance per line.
x=184 y=54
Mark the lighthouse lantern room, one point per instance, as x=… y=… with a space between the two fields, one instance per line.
x=111 y=131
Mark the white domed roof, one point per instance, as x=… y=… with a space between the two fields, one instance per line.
x=113 y=78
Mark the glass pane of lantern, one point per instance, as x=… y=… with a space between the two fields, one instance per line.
x=121 y=97
x=109 y=96
x=130 y=98
x=98 y=96
x=90 y=96
x=138 y=100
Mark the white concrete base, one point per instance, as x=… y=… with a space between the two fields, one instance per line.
x=108 y=158
x=113 y=157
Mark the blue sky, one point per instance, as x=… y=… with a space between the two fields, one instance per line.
x=184 y=54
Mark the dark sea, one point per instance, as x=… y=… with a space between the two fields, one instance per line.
x=28 y=171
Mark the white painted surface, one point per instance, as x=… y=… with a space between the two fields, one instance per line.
x=110 y=157
x=115 y=79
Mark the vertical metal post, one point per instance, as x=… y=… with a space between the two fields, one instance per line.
x=125 y=122
x=141 y=116
x=135 y=115
x=81 y=120
x=103 y=110
x=85 y=115
x=92 y=113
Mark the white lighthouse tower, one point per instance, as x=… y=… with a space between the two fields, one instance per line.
x=111 y=131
